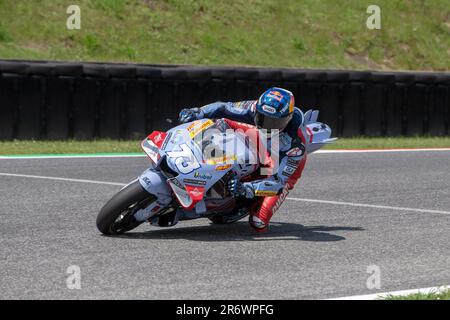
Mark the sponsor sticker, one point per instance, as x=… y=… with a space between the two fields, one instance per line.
x=147 y=181
x=269 y=109
x=289 y=169
x=265 y=193
x=196 y=193
x=223 y=167
x=192 y=181
x=220 y=160
x=192 y=125
x=157 y=137
x=195 y=130
x=296 y=152
x=292 y=162
x=280 y=200
x=199 y=175
x=275 y=95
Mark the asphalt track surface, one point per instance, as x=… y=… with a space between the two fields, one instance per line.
x=313 y=250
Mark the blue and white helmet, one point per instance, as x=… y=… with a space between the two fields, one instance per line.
x=274 y=109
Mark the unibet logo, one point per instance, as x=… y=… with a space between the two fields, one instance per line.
x=202 y=175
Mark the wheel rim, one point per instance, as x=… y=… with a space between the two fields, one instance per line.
x=118 y=226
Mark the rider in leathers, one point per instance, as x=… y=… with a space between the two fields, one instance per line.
x=275 y=109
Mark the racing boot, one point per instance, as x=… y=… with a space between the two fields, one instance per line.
x=262 y=212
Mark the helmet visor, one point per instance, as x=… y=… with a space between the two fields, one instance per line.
x=263 y=121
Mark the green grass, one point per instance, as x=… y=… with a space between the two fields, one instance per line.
x=415 y=34
x=443 y=295
x=115 y=146
x=68 y=147
x=391 y=142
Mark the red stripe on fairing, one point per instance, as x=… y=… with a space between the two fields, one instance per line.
x=310 y=134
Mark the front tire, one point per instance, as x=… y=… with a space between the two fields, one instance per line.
x=116 y=216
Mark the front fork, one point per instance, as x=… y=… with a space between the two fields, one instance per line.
x=154 y=183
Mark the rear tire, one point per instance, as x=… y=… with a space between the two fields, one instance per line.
x=124 y=202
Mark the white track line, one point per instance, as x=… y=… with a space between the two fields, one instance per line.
x=80 y=156
x=363 y=205
x=61 y=179
x=383 y=295
x=380 y=150
x=344 y=151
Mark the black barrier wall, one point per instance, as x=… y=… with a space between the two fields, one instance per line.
x=45 y=100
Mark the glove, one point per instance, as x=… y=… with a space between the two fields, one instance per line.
x=239 y=189
x=187 y=115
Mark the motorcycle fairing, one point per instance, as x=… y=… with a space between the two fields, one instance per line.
x=206 y=172
x=152 y=144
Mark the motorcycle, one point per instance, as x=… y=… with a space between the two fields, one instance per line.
x=184 y=183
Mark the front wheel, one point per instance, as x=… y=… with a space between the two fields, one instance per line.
x=116 y=216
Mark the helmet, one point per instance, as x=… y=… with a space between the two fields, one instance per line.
x=274 y=109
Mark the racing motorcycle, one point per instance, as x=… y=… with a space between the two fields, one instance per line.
x=183 y=182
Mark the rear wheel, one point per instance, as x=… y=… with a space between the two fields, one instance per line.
x=117 y=215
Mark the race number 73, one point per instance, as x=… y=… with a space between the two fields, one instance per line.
x=185 y=160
